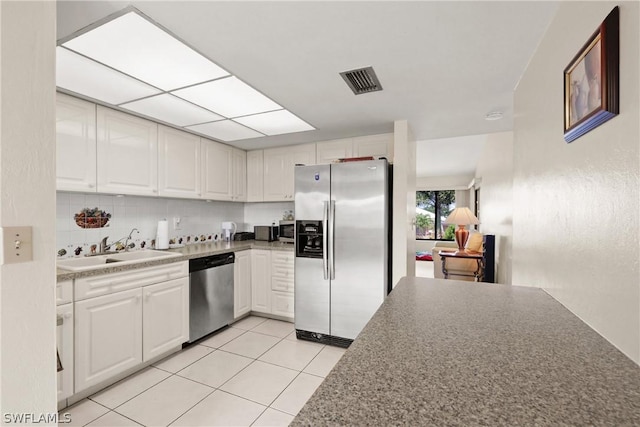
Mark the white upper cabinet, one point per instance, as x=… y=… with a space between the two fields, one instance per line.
x=75 y=144
x=255 y=176
x=216 y=167
x=363 y=146
x=374 y=145
x=330 y=151
x=127 y=154
x=178 y=163
x=279 y=164
x=239 y=175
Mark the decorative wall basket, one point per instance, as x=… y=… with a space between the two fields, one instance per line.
x=92 y=218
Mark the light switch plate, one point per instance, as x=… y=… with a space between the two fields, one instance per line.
x=17 y=245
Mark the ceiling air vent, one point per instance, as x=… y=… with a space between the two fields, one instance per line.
x=362 y=80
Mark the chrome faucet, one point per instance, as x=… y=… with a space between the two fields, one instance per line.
x=103 y=245
x=126 y=242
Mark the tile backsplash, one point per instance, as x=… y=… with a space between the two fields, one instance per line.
x=197 y=218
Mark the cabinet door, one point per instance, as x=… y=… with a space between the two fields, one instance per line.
x=239 y=173
x=127 y=154
x=64 y=338
x=275 y=162
x=178 y=163
x=75 y=144
x=282 y=304
x=330 y=151
x=165 y=317
x=255 y=176
x=374 y=145
x=108 y=337
x=261 y=280
x=242 y=284
x=216 y=170
x=298 y=155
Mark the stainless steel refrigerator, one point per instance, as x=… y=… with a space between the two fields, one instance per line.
x=342 y=248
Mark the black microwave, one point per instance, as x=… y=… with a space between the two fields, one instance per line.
x=287 y=231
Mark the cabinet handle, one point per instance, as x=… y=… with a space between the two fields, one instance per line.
x=147 y=296
x=67 y=315
x=137 y=299
x=90 y=185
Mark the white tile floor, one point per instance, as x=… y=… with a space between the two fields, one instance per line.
x=255 y=373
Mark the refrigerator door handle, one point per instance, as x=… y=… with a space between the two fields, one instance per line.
x=325 y=261
x=332 y=223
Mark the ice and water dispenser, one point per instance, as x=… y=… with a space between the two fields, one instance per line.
x=309 y=235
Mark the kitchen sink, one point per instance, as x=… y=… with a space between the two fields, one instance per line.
x=123 y=258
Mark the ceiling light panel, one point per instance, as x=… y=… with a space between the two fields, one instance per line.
x=275 y=122
x=86 y=77
x=229 y=97
x=171 y=109
x=225 y=130
x=139 y=48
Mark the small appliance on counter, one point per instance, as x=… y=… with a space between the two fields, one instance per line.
x=228 y=230
x=266 y=233
x=244 y=235
x=287 y=231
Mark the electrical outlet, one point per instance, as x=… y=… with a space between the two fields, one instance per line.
x=176 y=223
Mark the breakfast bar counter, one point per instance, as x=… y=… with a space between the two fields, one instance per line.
x=444 y=352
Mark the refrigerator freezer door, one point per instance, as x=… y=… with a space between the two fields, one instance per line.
x=359 y=192
x=311 y=306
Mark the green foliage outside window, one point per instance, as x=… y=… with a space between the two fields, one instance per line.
x=433 y=209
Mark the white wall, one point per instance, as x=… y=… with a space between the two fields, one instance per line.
x=452 y=182
x=27 y=185
x=404 y=201
x=197 y=218
x=264 y=213
x=495 y=171
x=576 y=206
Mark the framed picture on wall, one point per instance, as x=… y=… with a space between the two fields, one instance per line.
x=591 y=81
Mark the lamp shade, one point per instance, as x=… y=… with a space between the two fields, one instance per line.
x=461 y=216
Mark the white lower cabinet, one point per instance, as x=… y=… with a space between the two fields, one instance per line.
x=272 y=282
x=242 y=284
x=127 y=318
x=261 y=280
x=64 y=338
x=108 y=336
x=165 y=317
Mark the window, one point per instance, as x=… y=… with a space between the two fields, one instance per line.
x=432 y=208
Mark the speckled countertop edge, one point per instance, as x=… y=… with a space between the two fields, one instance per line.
x=188 y=252
x=450 y=353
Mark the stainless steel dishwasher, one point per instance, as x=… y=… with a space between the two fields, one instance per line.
x=210 y=294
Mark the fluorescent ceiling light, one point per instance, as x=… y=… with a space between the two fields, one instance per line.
x=275 y=122
x=171 y=109
x=229 y=97
x=86 y=77
x=225 y=130
x=139 y=48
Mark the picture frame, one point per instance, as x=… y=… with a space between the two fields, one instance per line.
x=591 y=81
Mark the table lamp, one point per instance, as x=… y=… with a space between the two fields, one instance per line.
x=461 y=217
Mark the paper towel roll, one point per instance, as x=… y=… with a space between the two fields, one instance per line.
x=162 y=236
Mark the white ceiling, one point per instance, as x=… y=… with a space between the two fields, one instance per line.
x=443 y=65
x=449 y=156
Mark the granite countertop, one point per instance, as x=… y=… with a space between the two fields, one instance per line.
x=444 y=352
x=196 y=250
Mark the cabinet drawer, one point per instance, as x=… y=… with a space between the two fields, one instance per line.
x=64 y=292
x=282 y=271
x=282 y=284
x=282 y=257
x=89 y=287
x=282 y=304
